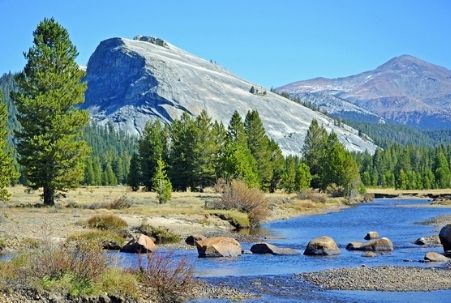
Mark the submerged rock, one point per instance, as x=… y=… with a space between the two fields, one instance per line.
x=143 y=244
x=218 y=247
x=369 y=254
x=371 y=235
x=382 y=244
x=428 y=241
x=436 y=257
x=322 y=246
x=266 y=248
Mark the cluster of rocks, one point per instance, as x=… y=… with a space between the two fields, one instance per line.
x=321 y=246
x=444 y=239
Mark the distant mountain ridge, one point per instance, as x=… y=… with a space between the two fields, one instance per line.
x=133 y=81
x=404 y=90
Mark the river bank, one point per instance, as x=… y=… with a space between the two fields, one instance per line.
x=186 y=214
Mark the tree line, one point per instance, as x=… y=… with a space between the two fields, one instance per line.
x=407 y=167
x=198 y=151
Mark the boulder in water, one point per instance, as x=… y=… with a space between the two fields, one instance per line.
x=143 y=244
x=266 y=248
x=382 y=244
x=322 y=246
x=445 y=239
x=218 y=247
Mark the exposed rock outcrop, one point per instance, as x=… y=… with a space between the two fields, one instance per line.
x=133 y=81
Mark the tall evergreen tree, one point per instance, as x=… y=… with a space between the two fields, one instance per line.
x=49 y=89
x=205 y=152
x=134 y=175
x=442 y=170
x=278 y=165
x=152 y=146
x=7 y=170
x=181 y=156
x=313 y=150
x=238 y=162
x=303 y=176
x=259 y=145
x=289 y=175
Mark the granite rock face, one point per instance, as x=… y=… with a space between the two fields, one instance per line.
x=133 y=81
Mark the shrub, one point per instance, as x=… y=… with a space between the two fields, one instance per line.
x=334 y=190
x=312 y=196
x=236 y=218
x=160 y=234
x=106 y=238
x=2 y=244
x=237 y=195
x=107 y=222
x=119 y=282
x=169 y=280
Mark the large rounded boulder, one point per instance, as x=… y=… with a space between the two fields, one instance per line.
x=143 y=244
x=218 y=247
x=266 y=248
x=382 y=244
x=322 y=246
x=445 y=239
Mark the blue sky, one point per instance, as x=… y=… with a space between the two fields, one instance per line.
x=268 y=42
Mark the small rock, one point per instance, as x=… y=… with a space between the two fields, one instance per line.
x=369 y=254
x=428 y=241
x=436 y=257
x=266 y=248
x=322 y=246
x=372 y=235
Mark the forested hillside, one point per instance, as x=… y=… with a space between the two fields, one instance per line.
x=407 y=167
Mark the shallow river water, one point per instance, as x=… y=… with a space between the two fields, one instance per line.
x=394 y=218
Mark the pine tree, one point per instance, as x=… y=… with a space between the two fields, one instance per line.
x=97 y=172
x=442 y=170
x=303 y=176
x=152 y=146
x=278 y=165
x=134 y=175
x=205 y=152
x=89 y=173
x=314 y=149
x=109 y=175
x=7 y=170
x=161 y=183
x=238 y=162
x=259 y=145
x=289 y=175
x=49 y=89
x=181 y=156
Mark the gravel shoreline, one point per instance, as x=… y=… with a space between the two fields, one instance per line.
x=382 y=278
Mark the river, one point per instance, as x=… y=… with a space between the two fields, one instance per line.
x=397 y=219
